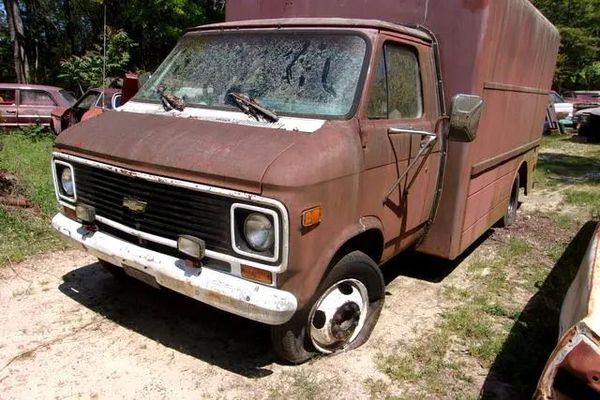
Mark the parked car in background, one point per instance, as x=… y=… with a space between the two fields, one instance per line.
x=92 y=103
x=588 y=121
x=583 y=98
x=95 y=102
x=563 y=109
x=22 y=104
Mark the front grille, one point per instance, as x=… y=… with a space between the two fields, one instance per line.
x=170 y=211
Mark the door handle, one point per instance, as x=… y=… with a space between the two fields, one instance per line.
x=11 y=111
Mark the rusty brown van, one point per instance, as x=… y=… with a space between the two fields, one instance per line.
x=274 y=161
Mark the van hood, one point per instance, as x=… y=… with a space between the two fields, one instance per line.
x=213 y=153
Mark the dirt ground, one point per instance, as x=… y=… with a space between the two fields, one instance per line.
x=70 y=330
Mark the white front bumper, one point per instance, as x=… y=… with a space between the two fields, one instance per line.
x=226 y=292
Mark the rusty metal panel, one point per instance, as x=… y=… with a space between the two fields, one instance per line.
x=184 y=148
x=390 y=10
x=503 y=50
x=573 y=369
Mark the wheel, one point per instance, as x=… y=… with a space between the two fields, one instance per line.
x=513 y=204
x=340 y=316
x=114 y=270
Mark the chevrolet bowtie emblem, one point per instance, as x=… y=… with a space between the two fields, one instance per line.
x=134 y=205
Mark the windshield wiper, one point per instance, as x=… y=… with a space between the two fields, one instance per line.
x=252 y=107
x=170 y=101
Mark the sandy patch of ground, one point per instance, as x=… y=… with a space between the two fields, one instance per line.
x=68 y=329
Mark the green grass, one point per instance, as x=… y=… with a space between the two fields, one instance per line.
x=302 y=385
x=428 y=365
x=23 y=232
x=29 y=159
x=590 y=199
x=568 y=163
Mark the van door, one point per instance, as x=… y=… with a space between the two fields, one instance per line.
x=403 y=112
x=8 y=107
x=35 y=107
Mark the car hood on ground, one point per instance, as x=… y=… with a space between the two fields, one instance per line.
x=213 y=153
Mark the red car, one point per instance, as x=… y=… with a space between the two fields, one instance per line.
x=93 y=103
x=22 y=104
x=89 y=105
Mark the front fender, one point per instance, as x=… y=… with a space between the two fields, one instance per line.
x=313 y=276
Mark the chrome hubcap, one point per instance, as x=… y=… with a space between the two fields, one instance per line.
x=339 y=315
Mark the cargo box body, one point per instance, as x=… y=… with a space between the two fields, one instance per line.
x=504 y=51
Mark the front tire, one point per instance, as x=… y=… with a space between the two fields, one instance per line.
x=340 y=316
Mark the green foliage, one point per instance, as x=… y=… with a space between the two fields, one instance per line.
x=57 y=30
x=86 y=71
x=579 y=24
x=34 y=132
x=7 y=70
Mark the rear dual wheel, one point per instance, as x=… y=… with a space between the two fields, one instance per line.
x=340 y=316
x=513 y=204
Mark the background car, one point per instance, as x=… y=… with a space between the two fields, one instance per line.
x=589 y=123
x=22 y=105
x=93 y=102
x=564 y=110
x=591 y=97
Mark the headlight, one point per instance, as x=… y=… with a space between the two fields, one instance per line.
x=259 y=232
x=66 y=181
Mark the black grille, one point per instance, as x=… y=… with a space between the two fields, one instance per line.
x=170 y=211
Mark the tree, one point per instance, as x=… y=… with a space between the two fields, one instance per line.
x=7 y=70
x=87 y=71
x=579 y=24
x=17 y=35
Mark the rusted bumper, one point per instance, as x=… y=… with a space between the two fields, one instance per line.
x=573 y=370
x=229 y=293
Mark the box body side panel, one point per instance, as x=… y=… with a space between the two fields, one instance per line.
x=502 y=50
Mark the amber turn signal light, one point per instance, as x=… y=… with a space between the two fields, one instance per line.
x=312 y=217
x=257 y=275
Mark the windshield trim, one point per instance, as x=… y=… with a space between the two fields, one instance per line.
x=359 y=86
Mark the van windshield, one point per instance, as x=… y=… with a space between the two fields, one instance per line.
x=297 y=73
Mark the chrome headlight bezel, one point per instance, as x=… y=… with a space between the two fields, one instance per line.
x=62 y=193
x=240 y=213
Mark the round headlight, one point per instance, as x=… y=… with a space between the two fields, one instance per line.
x=259 y=232
x=66 y=181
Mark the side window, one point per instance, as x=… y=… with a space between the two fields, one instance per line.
x=405 y=96
x=36 y=98
x=397 y=92
x=7 y=97
x=378 y=103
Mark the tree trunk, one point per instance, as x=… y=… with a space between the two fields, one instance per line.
x=69 y=26
x=17 y=35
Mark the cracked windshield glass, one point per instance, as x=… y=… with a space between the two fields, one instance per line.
x=290 y=73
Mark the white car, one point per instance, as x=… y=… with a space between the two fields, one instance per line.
x=563 y=109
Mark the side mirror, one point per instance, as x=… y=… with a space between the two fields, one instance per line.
x=465 y=114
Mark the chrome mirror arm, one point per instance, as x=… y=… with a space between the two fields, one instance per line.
x=426 y=146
